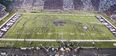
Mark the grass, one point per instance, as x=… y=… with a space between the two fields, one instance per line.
x=6 y=18
x=42 y=26
x=55 y=44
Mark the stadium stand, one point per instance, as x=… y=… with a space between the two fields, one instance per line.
x=113 y=17
x=68 y=5
x=111 y=10
x=38 y=4
x=78 y=4
x=1 y=7
x=2 y=11
x=106 y=6
x=50 y=51
x=27 y=5
x=87 y=5
x=95 y=4
x=53 y=4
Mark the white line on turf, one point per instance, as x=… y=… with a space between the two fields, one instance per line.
x=54 y=40
x=7 y=20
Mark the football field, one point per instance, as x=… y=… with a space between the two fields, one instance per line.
x=59 y=26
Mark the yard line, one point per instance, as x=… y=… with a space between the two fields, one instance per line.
x=60 y=14
x=55 y=40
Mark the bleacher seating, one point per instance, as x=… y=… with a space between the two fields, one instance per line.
x=113 y=17
x=107 y=6
x=78 y=4
x=95 y=4
x=53 y=4
x=1 y=7
x=111 y=10
x=2 y=11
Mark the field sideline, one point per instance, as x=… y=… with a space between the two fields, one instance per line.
x=47 y=26
x=54 y=40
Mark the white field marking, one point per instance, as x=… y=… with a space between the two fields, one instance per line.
x=39 y=33
x=59 y=14
x=54 y=40
x=82 y=33
x=8 y=20
x=93 y=34
x=49 y=33
x=27 y=33
x=61 y=33
x=72 y=33
x=108 y=21
x=104 y=34
x=96 y=23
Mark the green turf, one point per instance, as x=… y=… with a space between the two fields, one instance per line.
x=56 y=44
x=41 y=26
x=6 y=18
